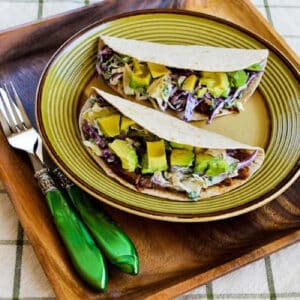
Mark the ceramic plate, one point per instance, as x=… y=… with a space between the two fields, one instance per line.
x=271 y=118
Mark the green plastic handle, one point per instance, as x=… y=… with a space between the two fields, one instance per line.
x=114 y=243
x=86 y=257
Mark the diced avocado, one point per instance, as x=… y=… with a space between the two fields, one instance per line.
x=255 y=67
x=137 y=67
x=210 y=165
x=180 y=146
x=155 y=159
x=189 y=84
x=222 y=86
x=126 y=80
x=140 y=77
x=157 y=70
x=238 y=78
x=145 y=165
x=217 y=167
x=110 y=125
x=125 y=123
x=209 y=82
x=181 y=157
x=217 y=83
x=201 y=92
x=225 y=93
x=126 y=153
x=92 y=115
x=202 y=162
x=139 y=81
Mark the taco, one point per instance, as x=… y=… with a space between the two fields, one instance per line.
x=191 y=82
x=157 y=154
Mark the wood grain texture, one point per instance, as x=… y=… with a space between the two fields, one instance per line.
x=174 y=257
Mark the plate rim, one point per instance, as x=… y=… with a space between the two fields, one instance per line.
x=173 y=217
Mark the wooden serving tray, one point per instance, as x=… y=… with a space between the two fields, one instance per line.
x=174 y=257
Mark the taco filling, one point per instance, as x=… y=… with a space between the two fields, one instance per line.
x=183 y=91
x=147 y=161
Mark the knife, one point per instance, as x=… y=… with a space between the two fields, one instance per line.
x=111 y=239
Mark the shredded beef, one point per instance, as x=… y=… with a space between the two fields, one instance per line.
x=203 y=108
x=227 y=182
x=240 y=155
x=138 y=180
x=144 y=181
x=128 y=176
x=243 y=173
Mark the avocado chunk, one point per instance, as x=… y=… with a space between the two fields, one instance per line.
x=98 y=112
x=126 y=123
x=180 y=146
x=201 y=92
x=110 y=125
x=208 y=82
x=139 y=81
x=225 y=93
x=157 y=70
x=217 y=83
x=189 y=84
x=202 y=162
x=238 y=78
x=145 y=165
x=137 y=67
x=126 y=153
x=217 y=167
x=181 y=157
x=155 y=158
x=209 y=165
x=140 y=78
x=126 y=80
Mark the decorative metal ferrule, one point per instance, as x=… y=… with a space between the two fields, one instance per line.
x=63 y=181
x=46 y=183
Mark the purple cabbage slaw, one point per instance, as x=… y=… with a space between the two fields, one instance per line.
x=179 y=100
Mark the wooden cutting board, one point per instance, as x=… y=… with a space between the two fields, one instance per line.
x=174 y=257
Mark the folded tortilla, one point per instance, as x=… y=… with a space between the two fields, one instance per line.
x=193 y=58
x=172 y=129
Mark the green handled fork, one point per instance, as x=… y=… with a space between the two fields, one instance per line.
x=85 y=255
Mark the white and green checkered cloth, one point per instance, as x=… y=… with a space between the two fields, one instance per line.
x=275 y=277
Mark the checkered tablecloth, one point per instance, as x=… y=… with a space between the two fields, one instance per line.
x=275 y=277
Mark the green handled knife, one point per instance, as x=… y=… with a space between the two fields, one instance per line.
x=114 y=243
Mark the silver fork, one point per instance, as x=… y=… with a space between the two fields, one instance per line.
x=18 y=129
x=86 y=257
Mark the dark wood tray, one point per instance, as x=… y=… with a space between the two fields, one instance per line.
x=174 y=257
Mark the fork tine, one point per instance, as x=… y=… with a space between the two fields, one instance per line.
x=3 y=121
x=21 y=107
x=13 y=110
x=6 y=111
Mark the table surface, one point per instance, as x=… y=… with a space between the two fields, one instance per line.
x=274 y=277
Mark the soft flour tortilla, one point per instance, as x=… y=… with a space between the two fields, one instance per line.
x=192 y=57
x=173 y=130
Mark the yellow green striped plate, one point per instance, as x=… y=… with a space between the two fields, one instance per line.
x=271 y=119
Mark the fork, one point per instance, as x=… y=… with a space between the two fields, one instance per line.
x=85 y=255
